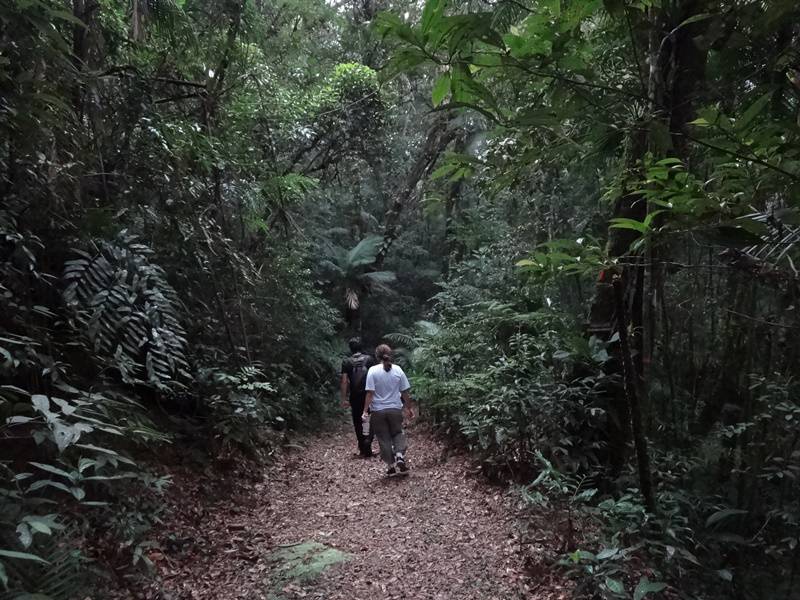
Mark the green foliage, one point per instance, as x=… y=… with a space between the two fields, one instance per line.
x=190 y=190
x=129 y=312
x=147 y=250
x=631 y=140
x=349 y=271
x=507 y=380
x=244 y=406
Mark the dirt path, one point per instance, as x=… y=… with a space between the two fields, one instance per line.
x=325 y=524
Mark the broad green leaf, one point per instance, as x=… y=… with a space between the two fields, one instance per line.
x=615 y=585
x=443 y=171
x=42 y=404
x=440 y=89
x=53 y=470
x=646 y=586
x=381 y=276
x=465 y=89
x=365 y=251
x=432 y=14
x=721 y=515
x=694 y=19
x=621 y=223
x=68 y=17
x=18 y=420
x=44 y=524
x=607 y=553
x=42 y=483
x=403 y=60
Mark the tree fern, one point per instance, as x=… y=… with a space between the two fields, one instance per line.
x=128 y=311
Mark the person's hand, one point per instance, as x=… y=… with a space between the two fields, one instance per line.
x=345 y=403
x=409 y=413
x=364 y=416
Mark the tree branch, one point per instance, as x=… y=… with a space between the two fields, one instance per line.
x=439 y=136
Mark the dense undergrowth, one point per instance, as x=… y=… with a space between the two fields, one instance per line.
x=615 y=331
x=510 y=378
x=144 y=312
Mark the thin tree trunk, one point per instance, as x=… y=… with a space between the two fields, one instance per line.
x=213 y=93
x=451 y=209
x=630 y=382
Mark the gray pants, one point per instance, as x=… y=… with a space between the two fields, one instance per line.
x=387 y=425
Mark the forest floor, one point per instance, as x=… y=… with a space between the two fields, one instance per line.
x=322 y=523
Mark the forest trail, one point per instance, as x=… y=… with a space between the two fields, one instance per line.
x=325 y=524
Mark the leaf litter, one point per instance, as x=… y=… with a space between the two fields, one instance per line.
x=322 y=523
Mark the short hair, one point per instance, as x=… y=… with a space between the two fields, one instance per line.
x=355 y=344
x=383 y=351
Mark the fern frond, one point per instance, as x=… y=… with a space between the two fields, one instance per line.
x=400 y=339
x=129 y=312
x=60 y=578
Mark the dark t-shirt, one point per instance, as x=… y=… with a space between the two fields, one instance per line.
x=347 y=369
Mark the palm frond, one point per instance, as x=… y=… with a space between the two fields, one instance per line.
x=780 y=239
x=400 y=339
x=364 y=252
x=378 y=280
x=167 y=16
x=380 y=277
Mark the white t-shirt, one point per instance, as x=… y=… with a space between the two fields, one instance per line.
x=387 y=386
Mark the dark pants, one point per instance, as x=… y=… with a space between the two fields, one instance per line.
x=357 y=407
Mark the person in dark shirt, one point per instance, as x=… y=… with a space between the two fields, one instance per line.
x=353 y=392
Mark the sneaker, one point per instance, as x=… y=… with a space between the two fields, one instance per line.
x=391 y=472
x=402 y=467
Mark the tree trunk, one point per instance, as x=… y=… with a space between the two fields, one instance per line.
x=439 y=136
x=630 y=379
x=677 y=67
x=451 y=209
x=213 y=92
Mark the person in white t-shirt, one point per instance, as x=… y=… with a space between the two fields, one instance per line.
x=387 y=393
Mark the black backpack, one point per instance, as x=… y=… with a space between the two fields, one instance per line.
x=359 y=365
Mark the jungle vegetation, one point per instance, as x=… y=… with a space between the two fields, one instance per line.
x=576 y=219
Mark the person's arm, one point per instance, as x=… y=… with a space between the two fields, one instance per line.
x=370 y=389
x=367 y=402
x=344 y=387
x=405 y=396
x=407 y=402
